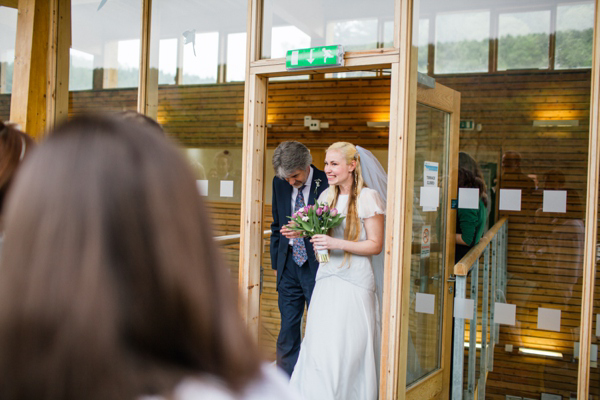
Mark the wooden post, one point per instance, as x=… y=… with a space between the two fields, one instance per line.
x=148 y=85
x=399 y=205
x=254 y=146
x=591 y=226
x=58 y=63
x=28 y=103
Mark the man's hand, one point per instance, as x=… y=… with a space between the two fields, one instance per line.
x=290 y=234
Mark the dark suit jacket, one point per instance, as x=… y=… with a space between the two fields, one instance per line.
x=282 y=209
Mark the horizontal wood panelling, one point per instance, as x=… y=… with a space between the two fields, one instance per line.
x=544 y=249
x=5 y=106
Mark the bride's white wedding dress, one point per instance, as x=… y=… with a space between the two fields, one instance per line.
x=339 y=354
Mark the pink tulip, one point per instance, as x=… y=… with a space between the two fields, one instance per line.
x=306 y=209
x=326 y=208
x=319 y=211
x=333 y=212
x=294 y=215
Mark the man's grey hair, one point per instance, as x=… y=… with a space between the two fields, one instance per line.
x=289 y=157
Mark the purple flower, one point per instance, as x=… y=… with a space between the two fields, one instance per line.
x=306 y=209
x=319 y=211
x=333 y=212
x=326 y=208
x=294 y=215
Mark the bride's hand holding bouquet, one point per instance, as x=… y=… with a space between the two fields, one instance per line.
x=313 y=220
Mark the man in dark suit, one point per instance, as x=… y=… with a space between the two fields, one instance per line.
x=297 y=183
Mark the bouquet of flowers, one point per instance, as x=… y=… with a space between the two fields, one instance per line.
x=313 y=220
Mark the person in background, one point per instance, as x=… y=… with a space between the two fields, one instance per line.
x=222 y=166
x=296 y=184
x=14 y=147
x=112 y=286
x=470 y=223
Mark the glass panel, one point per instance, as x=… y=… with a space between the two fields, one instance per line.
x=105 y=55
x=354 y=24
x=428 y=251
x=528 y=132
x=197 y=47
x=524 y=39
x=423 y=46
x=462 y=42
x=574 y=35
x=8 y=36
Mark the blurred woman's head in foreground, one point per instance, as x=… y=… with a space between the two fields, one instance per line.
x=112 y=285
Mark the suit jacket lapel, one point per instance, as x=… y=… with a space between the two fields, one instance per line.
x=313 y=187
x=287 y=207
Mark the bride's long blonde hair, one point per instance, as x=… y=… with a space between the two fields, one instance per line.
x=353 y=226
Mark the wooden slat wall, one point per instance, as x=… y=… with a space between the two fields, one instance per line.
x=5 y=106
x=544 y=249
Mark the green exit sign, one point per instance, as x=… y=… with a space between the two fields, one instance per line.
x=467 y=124
x=315 y=57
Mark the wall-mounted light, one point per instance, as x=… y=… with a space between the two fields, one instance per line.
x=564 y=123
x=378 y=124
x=537 y=352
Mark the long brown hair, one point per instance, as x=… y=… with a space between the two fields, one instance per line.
x=470 y=176
x=14 y=146
x=112 y=286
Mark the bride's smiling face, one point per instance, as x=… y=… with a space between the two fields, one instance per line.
x=338 y=171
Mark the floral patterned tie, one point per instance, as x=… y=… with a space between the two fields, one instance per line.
x=298 y=248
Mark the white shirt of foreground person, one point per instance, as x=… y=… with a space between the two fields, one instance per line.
x=271 y=385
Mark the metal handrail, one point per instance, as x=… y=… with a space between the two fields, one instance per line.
x=493 y=244
x=231 y=239
x=464 y=265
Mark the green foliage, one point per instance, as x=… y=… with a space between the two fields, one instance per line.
x=523 y=51
x=574 y=48
x=9 y=76
x=463 y=56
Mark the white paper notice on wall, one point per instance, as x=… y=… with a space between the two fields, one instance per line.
x=430 y=197
x=555 y=201
x=505 y=314
x=510 y=200
x=463 y=308
x=548 y=319
x=430 y=174
x=202 y=186
x=425 y=303
x=468 y=198
x=226 y=188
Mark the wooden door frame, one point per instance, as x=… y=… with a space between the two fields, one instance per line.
x=402 y=61
x=437 y=383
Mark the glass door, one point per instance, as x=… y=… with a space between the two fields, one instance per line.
x=432 y=246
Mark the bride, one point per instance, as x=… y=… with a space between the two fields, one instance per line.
x=339 y=354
